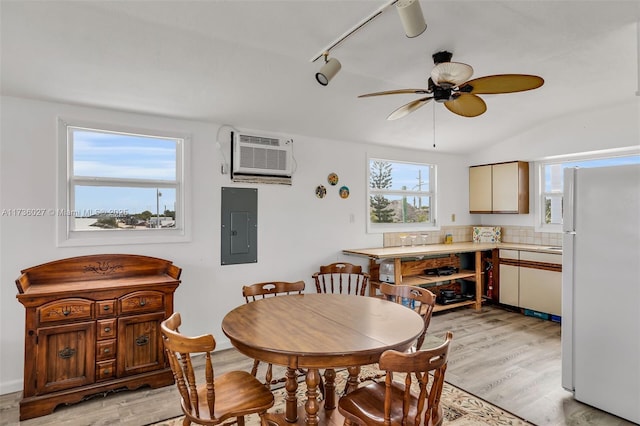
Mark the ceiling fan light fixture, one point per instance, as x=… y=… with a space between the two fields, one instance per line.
x=411 y=16
x=451 y=74
x=328 y=70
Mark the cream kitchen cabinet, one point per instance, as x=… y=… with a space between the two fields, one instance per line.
x=509 y=279
x=531 y=280
x=541 y=282
x=499 y=188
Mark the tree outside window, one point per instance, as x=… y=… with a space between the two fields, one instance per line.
x=401 y=195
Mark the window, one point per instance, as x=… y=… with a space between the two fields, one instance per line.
x=120 y=187
x=551 y=183
x=402 y=196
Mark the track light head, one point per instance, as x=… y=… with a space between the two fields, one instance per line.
x=328 y=70
x=411 y=16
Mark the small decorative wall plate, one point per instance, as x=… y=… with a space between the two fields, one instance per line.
x=344 y=192
x=321 y=191
x=332 y=179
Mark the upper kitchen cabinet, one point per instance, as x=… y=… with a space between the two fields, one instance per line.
x=499 y=188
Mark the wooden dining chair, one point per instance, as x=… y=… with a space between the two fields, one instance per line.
x=420 y=299
x=341 y=277
x=405 y=402
x=417 y=298
x=218 y=400
x=258 y=291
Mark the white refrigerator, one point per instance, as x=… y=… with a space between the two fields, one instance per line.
x=601 y=288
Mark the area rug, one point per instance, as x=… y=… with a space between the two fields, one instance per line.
x=460 y=408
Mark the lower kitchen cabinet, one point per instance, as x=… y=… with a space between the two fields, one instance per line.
x=531 y=280
x=93 y=326
x=509 y=279
x=541 y=290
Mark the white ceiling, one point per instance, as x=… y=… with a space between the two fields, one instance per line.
x=247 y=63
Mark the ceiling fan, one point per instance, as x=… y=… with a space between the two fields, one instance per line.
x=449 y=84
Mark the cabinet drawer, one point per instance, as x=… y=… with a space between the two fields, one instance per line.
x=106 y=329
x=509 y=254
x=105 y=370
x=142 y=301
x=105 y=308
x=65 y=310
x=105 y=349
x=541 y=257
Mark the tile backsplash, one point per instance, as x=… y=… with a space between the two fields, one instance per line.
x=510 y=234
x=527 y=235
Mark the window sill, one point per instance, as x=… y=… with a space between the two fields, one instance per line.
x=108 y=238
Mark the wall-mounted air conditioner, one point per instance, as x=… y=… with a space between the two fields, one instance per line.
x=261 y=156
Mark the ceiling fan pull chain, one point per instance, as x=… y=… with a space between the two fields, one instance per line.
x=434 y=124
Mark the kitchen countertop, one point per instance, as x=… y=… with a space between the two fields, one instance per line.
x=435 y=249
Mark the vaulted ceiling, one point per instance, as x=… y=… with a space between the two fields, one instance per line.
x=247 y=63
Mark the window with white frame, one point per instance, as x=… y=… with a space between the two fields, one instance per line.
x=120 y=186
x=401 y=196
x=550 y=180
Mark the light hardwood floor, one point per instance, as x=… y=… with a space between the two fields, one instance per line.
x=508 y=359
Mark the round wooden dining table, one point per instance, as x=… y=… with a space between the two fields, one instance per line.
x=313 y=331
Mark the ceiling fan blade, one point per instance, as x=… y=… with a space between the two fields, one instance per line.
x=503 y=83
x=466 y=105
x=451 y=74
x=397 y=92
x=408 y=108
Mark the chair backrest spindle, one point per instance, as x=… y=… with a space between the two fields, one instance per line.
x=341 y=277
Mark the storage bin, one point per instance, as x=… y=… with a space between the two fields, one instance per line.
x=536 y=314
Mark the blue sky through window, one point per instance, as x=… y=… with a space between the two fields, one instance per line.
x=124 y=156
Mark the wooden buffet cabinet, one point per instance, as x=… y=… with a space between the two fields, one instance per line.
x=93 y=326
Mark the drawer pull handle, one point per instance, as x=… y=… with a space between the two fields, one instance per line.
x=143 y=302
x=142 y=340
x=106 y=307
x=107 y=329
x=107 y=372
x=66 y=311
x=107 y=350
x=67 y=353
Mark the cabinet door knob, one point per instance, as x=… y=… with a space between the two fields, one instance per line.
x=107 y=329
x=107 y=372
x=106 y=307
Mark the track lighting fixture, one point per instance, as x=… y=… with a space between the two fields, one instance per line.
x=411 y=16
x=328 y=70
x=413 y=23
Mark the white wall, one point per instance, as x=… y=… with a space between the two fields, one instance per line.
x=610 y=127
x=297 y=231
